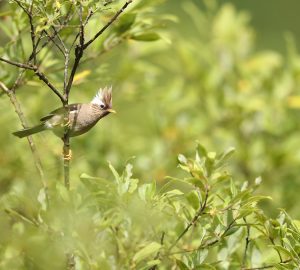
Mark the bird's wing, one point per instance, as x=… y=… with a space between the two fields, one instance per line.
x=61 y=111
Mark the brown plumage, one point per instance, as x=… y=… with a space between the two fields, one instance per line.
x=82 y=117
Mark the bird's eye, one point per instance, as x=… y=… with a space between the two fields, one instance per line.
x=102 y=106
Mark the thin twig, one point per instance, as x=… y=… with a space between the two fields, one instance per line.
x=158 y=253
x=208 y=243
x=78 y=55
x=54 y=41
x=20 y=65
x=90 y=14
x=42 y=77
x=40 y=74
x=68 y=17
x=193 y=221
x=269 y=265
x=32 y=32
x=22 y=216
x=100 y=32
x=247 y=241
x=67 y=89
x=278 y=252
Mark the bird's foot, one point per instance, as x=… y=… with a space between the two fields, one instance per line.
x=67 y=124
x=67 y=155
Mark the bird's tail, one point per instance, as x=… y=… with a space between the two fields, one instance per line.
x=29 y=131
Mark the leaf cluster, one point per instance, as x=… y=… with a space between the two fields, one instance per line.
x=206 y=220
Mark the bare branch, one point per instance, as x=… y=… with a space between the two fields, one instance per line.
x=100 y=32
x=90 y=14
x=32 y=32
x=82 y=45
x=20 y=65
x=40 y=74
x=22 y=7
x=68 y=17
x=52 y=38
x=49 y=84
x=78 y=55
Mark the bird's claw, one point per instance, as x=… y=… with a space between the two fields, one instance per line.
x=67 y=124
x=68 y=156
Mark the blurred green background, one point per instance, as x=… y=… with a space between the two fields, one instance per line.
x=225 y=73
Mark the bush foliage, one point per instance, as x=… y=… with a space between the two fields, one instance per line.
x=180 y=72
x=206 y=220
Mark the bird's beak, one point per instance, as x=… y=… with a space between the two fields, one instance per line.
x=111 y=111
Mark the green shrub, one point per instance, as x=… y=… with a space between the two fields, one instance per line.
x=206 y=220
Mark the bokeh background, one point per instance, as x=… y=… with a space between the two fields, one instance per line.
x=224 y=73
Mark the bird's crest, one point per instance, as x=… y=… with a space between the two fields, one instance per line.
x=103 y=97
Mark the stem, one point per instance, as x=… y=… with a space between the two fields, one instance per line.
x=66 y=153
x=247 y=240
x=268 y=266
x=38 y=73
x=78 y=54
x=158 y=253
x=193 y=221
x=20 y=65
x=100 y=32
x=71 y=265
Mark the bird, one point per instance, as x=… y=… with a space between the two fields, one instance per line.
x=81 y=116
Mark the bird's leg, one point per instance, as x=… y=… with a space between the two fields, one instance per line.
x=67 y=152
x=67 y=124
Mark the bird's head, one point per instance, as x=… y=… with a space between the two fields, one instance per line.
x=103 y=99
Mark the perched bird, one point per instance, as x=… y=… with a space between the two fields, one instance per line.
x=81 y=117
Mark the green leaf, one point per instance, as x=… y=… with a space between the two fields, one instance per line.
x=95 y=184
x=201 y=150
x=133 y=184
x=146 y=251
x=42 y=199
x=182 y=159
x=174 y=192
x=193 y=199
x=245 y=212
x=151 y=36
x=283 y=250
x=125 y=22
x=258 y=181
x=231 y=231
x=255 y=256
x=150 y=264
x=128 y=172
x=205 y=266
x=182 y=265
x=6 y=30
x=227 y=154
x=233 y=188
x=255 y=199
x=202 y=255
x=115 y=173
x=147 y=191
x=196 y=182
x=63 y=192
